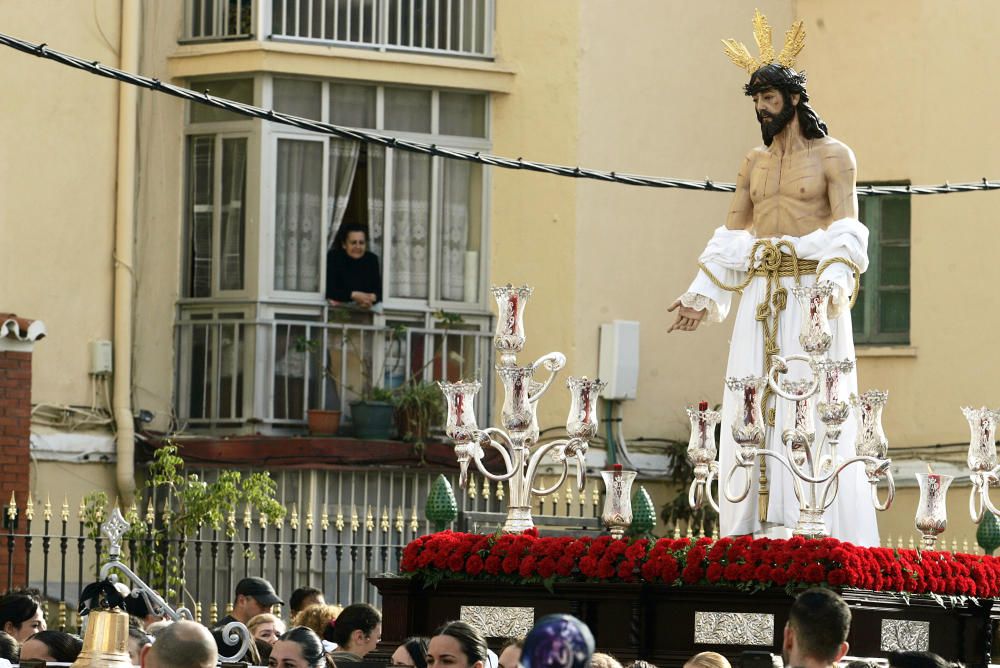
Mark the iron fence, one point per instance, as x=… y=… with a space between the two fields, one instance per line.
x=340 y=528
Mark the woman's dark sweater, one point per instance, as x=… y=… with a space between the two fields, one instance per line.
x=345 y=275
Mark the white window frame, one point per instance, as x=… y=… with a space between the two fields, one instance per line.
x=246 y=129
x=270 y=135
x=215 y=313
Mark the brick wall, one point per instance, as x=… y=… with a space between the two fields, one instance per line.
x=15 y=431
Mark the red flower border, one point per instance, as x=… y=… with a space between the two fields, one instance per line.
x=746 y=563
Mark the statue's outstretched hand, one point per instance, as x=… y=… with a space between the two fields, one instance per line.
x=688 y=318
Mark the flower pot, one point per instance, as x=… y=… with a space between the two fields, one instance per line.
x=323 y=422
x=373 y=419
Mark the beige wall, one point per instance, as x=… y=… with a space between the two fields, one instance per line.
x=671 y=105
x=902 y=82
x=57 y=188
x=910 y=109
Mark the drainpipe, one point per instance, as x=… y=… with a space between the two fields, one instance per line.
x=124 y=252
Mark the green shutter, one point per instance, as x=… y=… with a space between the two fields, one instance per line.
x=882 y=312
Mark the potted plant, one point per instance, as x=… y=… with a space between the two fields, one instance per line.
x=374 y=410
x=419 y=408
x=320 y=421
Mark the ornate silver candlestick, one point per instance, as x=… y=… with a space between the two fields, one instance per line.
x=518 y=416
x=114 y=529
x=617 y=515
x=982 y=459
x=932 y=512
x=814 y=467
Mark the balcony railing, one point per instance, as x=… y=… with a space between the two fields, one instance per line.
x=232 y=372
x=442 y=27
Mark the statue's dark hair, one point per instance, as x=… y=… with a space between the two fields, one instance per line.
x=788 y=81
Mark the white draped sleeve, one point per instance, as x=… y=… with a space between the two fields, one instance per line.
x=845 y=238
x=726 y=256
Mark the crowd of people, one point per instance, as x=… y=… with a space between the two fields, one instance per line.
x=319 y=635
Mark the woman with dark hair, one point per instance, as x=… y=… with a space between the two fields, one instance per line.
x=356 y=631
x=457 y=645
x=8 y=647
x=51 y=646
x=21 y=616
x=299 y=647
x=412 y=653
x=352 y=271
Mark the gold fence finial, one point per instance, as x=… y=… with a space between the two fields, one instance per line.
x=12 y=507
x=370 y=520
x=399 y=520
x=293 y=520
x=64 y=512
x=384 y=522
x=29 y=508
x=355 y=521
x=47 y=509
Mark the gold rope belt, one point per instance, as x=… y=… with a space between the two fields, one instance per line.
x=776 y=261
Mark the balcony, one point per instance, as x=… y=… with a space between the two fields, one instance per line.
x=461 y=28
x=236 y=374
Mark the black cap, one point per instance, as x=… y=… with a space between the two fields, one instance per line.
x=260 y=589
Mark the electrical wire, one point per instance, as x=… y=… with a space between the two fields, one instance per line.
x=388 y=141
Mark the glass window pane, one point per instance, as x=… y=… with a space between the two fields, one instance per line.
x=894 y=312
x=298 y=215
x=232 y=222
x=298 y=97
x=352 y=105
x=461 y=231
x=408 y=109
x=858 y=315
x=410 y=220
x=895 y=265
x=201 y=197
x=238 y=90
x=463 y=114
x=895 y=219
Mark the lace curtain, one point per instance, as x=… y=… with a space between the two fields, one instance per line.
x=454 y=229
x=410 y=224
x=298 y=215
x=343 y=165
x=376 y=200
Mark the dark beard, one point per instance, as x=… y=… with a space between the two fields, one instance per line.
x=768 y=131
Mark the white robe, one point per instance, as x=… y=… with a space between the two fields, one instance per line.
x=851 y=517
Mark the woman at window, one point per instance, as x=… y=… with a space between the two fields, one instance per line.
x=352 y=271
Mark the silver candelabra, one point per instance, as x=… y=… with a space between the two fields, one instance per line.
x=982 y=460
x=814 y=467
x=517 y=442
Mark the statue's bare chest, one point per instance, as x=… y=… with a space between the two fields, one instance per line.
x=796 y=177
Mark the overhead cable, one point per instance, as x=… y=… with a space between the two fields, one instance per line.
x=388 y=141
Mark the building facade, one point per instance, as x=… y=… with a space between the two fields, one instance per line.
x=228 y=329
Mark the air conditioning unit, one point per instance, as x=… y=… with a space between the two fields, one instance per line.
x=618 y=360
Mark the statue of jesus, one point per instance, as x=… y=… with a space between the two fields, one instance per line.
x=795 y=210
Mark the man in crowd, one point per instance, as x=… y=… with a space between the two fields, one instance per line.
x=816 y=633
x=183 y=644
x=254 y=596
x=302 y=598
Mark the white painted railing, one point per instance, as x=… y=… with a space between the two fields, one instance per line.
x=442 y=27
